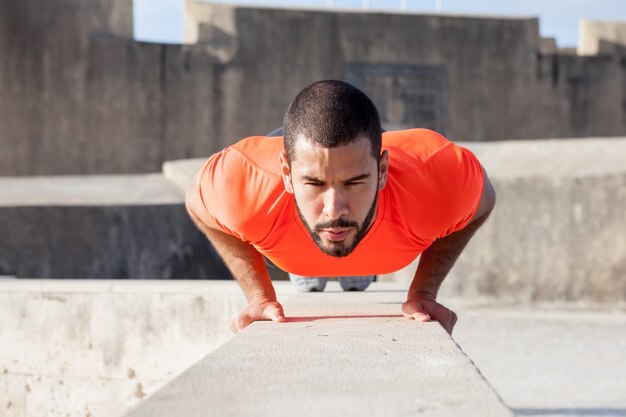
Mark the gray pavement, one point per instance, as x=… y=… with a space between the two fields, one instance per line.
x=549 y=360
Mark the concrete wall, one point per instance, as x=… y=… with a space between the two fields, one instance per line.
x=121 y=226
x=96 y=348
x=557 y=233
x=78 y=95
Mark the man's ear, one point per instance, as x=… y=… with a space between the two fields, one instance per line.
x=285 y=172
x=383 y=169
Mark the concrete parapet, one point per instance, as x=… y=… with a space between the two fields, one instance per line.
x=558 y=230
x=339 y=354
x=132 y=226
x=97 y=347
x=80 y=348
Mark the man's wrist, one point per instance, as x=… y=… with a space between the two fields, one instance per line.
x=413 y=295
x=263 y=296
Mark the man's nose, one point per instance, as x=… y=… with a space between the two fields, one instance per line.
x=334 y=204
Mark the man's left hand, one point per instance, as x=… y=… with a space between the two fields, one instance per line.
x=424 y=308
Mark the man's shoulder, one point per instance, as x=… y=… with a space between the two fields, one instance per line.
x=261 y=152
x=241 y=188
x=435 y=183
x=249 y=168
x=416 y=144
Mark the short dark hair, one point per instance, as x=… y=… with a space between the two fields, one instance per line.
x=332 y=113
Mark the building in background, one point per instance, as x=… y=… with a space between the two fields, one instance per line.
x=80 y=96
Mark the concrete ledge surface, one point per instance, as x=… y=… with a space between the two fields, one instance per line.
x=88 y=190
x=340 y=354
x=142 y=286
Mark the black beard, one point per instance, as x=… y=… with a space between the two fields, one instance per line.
x=339 y=250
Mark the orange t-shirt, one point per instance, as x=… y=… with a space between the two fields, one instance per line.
x=433 y=189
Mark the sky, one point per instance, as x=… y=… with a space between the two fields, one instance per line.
x=162 y=20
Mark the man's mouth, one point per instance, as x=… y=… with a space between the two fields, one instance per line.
x=336 y=234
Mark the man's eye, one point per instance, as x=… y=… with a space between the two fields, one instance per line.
x=316 y=184
x=353 y=183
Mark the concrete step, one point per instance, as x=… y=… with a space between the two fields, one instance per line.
x=339 y=354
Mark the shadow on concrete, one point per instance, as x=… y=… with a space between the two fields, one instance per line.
x=592 y=411
x=364 y=316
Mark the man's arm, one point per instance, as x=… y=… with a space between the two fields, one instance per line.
x=246 y=264
x=436 y=262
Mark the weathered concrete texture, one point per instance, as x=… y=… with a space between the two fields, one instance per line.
x=557 y=230
x=340 y=354
x=96 y=348
x=113 y=343
x=77 y=95
x=101 y=227
x=31 y=396
x=12 y=392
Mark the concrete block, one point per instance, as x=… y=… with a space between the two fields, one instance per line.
x=555 y=233
x=108 y=329
x=340 y=354
x=97 y=347
x=132 y=226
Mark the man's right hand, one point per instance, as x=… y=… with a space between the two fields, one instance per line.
x=264 y=310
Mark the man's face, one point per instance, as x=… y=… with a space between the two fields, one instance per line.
x=335 y=191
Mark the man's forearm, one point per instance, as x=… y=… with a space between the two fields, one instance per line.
x=436 y=261
x=245 y=263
